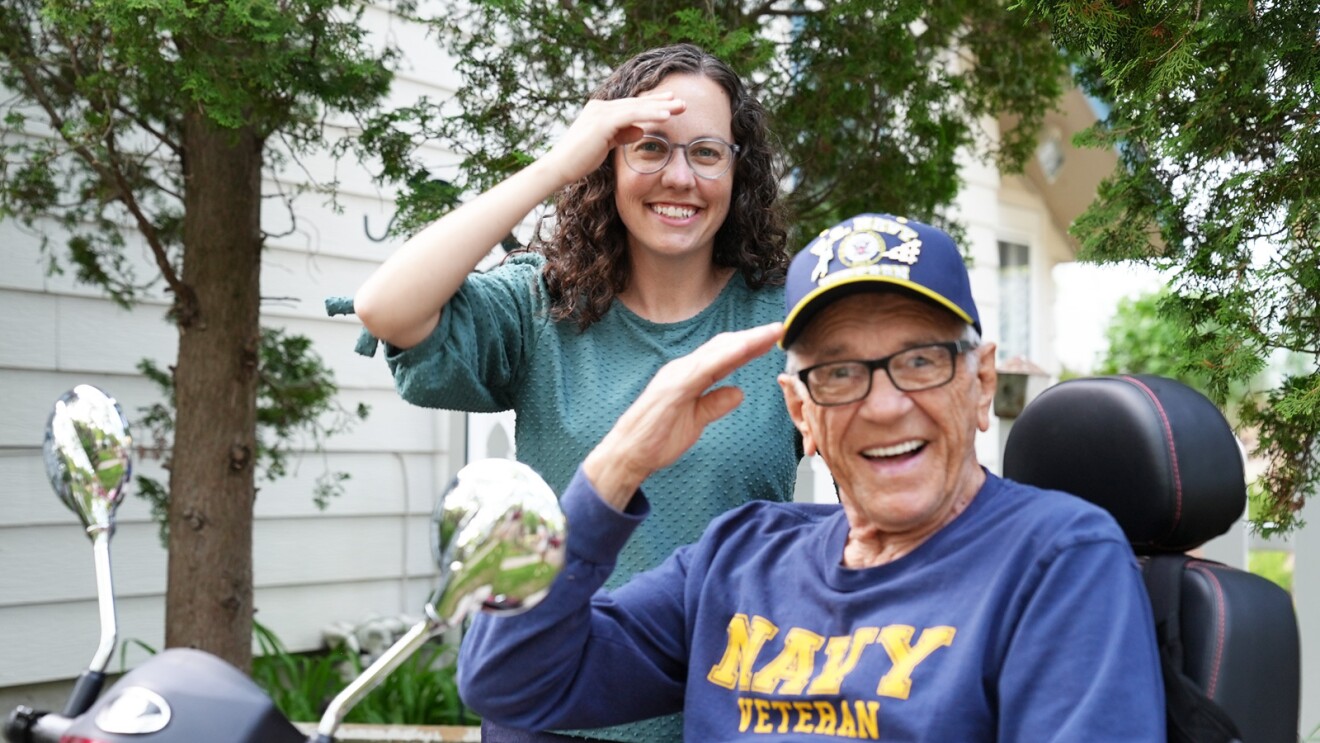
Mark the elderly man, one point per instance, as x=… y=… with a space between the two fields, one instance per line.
x=937 y=603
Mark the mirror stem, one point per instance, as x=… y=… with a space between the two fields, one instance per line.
x=387 y=662
x=105 y=598
x=89 y=683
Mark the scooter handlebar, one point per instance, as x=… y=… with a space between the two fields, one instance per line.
x=85 y=691
x=26 y=725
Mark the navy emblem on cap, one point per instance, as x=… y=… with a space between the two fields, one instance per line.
x=868 y=249
x=860 y=249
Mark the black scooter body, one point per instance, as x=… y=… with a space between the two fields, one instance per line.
x=209 y=701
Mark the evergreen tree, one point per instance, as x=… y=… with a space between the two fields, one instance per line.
x=1215 y=114
x=872 y=102
x=151 y=123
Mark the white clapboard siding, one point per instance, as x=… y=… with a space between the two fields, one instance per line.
x=423 y=58
x=63 y=570
x=285 y=609
x=366 y=554
x=296 y=283
x=29 y=393
x=81 y=334
x=56 y=641
x=21 y=266
x=25 y=265
x=314 y=551
x=29 y=500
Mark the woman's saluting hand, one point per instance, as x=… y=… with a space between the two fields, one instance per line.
x=602 y=126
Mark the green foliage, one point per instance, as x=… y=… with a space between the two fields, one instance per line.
x=94 y=141
x=421 y=691
x=1066 y=373
x=1146 y=336
x=1175 y=336
x=1287 y=434
x=132 y=642
x=1273 y=565
x=1215 y=115
x=871 y=101
x=300 y=684
x=295 y=399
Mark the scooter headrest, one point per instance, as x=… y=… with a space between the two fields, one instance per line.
x=1155 y=453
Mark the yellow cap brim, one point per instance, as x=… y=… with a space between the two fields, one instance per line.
x=790 y=323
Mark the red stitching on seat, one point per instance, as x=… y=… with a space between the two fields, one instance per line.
x=1173 y=454
x=1203 y=569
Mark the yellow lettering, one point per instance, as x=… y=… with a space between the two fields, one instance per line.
x=828 y=719
x=762 y=716
x=805 y=710
x=783 y=708
x=866 y=713
x=794 y=665
x=744 y=714
x=745 y=641
x=896 y=639
x=842 y=654
x=847 y=727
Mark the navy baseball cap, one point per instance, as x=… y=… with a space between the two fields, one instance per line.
x=874 y=251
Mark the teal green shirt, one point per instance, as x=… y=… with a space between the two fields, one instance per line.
x=496 y=348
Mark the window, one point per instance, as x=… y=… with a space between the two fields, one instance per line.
x=1014 y=300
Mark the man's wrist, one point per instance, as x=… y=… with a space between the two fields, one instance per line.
x=611 y=477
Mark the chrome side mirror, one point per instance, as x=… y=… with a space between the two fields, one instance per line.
x=498 y=537
x=87 y=453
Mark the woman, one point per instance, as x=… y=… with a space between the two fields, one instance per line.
x=666 y=231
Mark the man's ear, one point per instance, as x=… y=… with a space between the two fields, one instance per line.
x=987 y=379
x=794 y=400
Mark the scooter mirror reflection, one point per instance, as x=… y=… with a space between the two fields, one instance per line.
x=498 y=538
x=86 y=450
x=497 y=535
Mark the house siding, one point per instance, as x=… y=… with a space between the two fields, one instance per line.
x=367 y=554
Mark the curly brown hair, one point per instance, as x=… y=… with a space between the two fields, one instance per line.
x=587 y=262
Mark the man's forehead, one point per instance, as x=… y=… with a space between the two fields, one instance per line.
x=862 y=316
x=871 y=346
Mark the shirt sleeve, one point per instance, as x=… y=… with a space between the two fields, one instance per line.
x=475 y=357
x=583 y=657
x=1083 y=664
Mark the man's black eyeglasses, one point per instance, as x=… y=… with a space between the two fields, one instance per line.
x=910 y=370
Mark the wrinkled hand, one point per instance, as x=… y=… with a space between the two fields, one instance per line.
x=604 y=125
x=670 y=414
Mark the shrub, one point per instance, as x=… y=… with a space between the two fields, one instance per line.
x=421 y=691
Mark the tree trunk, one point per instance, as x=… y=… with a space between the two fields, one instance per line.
x=208 y=603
